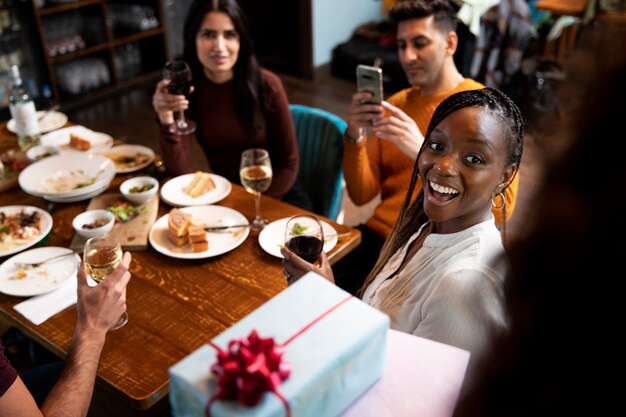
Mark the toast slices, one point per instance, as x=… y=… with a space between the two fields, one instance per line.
x=201 y=183
x=181 y=230
x=178 y=226
x=79 y=143
x=197 y=239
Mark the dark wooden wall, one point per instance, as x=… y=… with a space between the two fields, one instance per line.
x=282 y=32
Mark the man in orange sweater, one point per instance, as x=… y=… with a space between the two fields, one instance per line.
x=381 y=162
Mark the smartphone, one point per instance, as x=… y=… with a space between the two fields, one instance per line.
x=370 y=79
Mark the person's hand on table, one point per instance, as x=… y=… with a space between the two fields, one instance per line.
x=296 y=267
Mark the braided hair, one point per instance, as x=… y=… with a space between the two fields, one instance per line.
x=412 y=215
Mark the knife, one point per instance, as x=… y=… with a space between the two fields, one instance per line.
x=222 y=228
x=45 y=113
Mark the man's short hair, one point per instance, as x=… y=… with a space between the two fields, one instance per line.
x=443 y=11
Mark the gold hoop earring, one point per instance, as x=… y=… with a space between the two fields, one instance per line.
x=493 y=200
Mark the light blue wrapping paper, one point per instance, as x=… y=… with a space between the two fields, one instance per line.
x=333 y=362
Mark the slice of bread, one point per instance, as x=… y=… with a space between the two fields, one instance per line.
x=199 y=246
x=79 y=143
x=178 y=240
x=196 y=234
x=201 y=183
x=197 y=238
x=178 y=226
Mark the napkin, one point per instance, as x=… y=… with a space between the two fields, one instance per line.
x=41 y=307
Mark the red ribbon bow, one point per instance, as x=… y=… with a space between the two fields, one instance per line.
x=253 y=365
x=248 y=368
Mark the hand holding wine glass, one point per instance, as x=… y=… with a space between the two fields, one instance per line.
x=101 y=256
x=180 y=77
x=255 y=172
x=304 y=238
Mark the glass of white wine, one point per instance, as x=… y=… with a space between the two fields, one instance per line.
x=101 y=256
x=255 y=173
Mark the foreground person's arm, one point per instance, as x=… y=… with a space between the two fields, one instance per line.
x=98 y=309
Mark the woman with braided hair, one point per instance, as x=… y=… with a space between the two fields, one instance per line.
x=440 y=273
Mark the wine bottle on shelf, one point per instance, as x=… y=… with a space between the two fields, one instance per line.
x=23 y=112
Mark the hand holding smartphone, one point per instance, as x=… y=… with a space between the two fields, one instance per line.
x=370 y=79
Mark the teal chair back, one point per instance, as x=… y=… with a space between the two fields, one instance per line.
x=320 y=141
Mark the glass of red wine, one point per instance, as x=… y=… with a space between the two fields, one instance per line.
x=179 y=74
x=304 y=236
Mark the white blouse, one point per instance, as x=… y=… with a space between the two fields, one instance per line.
x=451 y=291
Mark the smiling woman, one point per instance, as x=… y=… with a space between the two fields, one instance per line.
x=236 y=103
x=435 y=276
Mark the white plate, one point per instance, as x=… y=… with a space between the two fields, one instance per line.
x=53 y=120
x=219 y=243
x=61 y=138
x=128 y=151
x=272 y=237
x=79 y=197
x=172 y=191
x=46 y=226
x=35 y=178
x=43 y=279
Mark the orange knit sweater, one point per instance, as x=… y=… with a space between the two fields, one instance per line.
x=378 y=166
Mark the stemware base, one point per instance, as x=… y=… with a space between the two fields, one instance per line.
x=121 y=322
x=182 y=128
x=258 y=224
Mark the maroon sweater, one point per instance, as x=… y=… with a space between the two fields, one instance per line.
x=223 y=137
x=8 y=374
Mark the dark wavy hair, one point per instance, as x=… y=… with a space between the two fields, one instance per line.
x=412 y=215
x=247 y=71
x=443 y=10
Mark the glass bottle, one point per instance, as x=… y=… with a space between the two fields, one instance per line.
x=23 y=112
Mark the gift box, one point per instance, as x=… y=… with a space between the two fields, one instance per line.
x=334 y=344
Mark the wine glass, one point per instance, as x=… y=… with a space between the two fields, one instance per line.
x=255 y=173
x=101 y=256
x=179 y=74
x=304 y=236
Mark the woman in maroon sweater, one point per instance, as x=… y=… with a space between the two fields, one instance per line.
x=236 y=104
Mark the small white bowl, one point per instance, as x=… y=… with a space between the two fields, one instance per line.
x=40 y=152
x=141 y=197
x=89 y=217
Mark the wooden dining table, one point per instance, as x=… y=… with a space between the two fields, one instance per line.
x=174 y=305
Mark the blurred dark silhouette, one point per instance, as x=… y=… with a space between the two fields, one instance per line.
x=564 y=295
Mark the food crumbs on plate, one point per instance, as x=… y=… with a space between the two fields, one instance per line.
x=20 y=273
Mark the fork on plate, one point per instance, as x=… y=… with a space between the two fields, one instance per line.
x=31 y=265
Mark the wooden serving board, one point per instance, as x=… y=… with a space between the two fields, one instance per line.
x=132 y=235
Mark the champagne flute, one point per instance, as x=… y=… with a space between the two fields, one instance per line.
x=304 y=236
x=101 y=256
x=180 y=76
x=255 y=173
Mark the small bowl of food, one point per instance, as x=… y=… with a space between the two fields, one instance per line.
x=39 y=152
x=139 y=190
x=92 y=223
